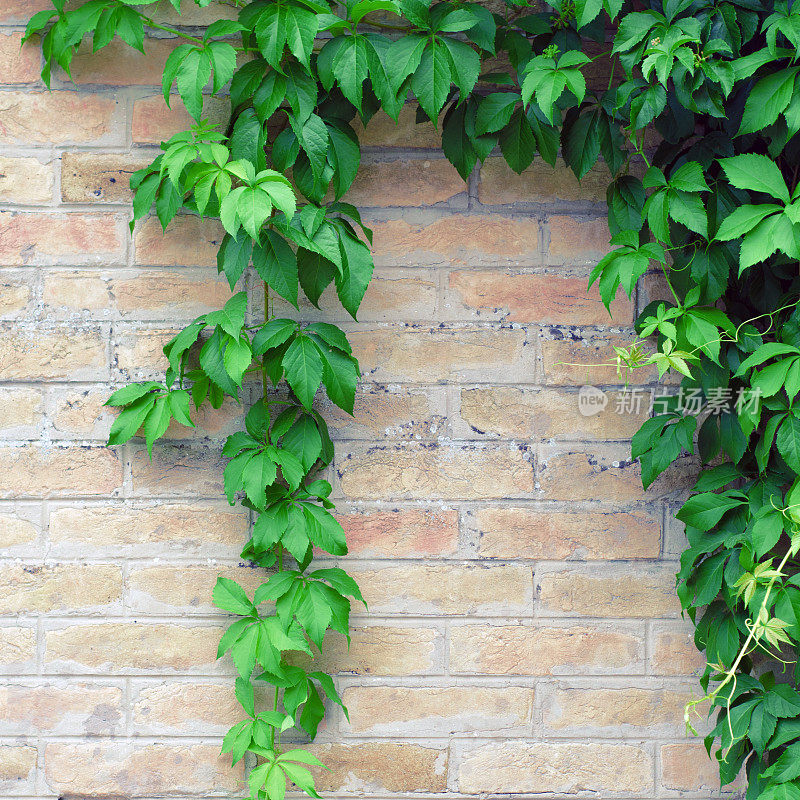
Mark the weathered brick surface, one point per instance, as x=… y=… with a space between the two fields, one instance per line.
x=522 y=636
x=521 y=767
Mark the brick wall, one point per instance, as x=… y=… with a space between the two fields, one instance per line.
x=523 y=634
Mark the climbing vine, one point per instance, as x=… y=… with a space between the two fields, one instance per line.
x=694 y=107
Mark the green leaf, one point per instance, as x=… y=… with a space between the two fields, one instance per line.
x=276 y=263
x=357 y=267
x=494 y=112
x=340 y=375
x=314 y=613
x=193 y=75
x=259 y=472
x=788 y=442
x=756 y=173
x=157 y=422
x=743 y=219
x=304 y=441
x=253 y=208
x=223 y=60
x=234 y=256
x=351 y=67
x=273 y=334
x=767 y=99
x=229 y=596
x=324 y=530
x=517 y=142
x=316 y=273
x=403 y=57
x=465 y=65
x=130 y=419
x=127 y=394
x=704 y=511
x=231 y=317
x=303 y=365
x=787 y=767
x=431 y=80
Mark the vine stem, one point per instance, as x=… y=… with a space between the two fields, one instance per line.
x=151 y=23
x=275 y=700
x=730 y=674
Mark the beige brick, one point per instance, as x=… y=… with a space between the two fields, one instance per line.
x=59 y=118
x=575 y=240
x=201 y=528
x=82 y=413
x=545 y=414
x=581 y=475
x=383 y=131
x=606 y=473
x=530 y=767
x=40 y=471
x=83 y=291
x=370 y=767
x=544 y=650
x=392 y=295
x=15 y=295
x=172 y=707
x=402 y=711
x=99 y=177
x=153 y=122
x=190 y=13
x=529 y=297
x=61 y=709
x=57 y=353
x=20 y=410
x=17 y=769
x=20 y=11
x=136 y=294
x=126 y=647
x=392 y=412
x=16 y=530
x=210 y=423
x=537 y=533
x=187 y=241
x=59 y=587
x=400 y=533
x=674 y=651
x=630 y=711
x=611 y=591
x=165 y=295
x=140 y=353
x=405 y=182
x=32 y=238
x=117 y=64
x=688 y=768
x=380 y=650
x=17 y=649
x=449 y=472
x=114 y=768
x=451 y=354
x=25 y=181
x=178 y=470
x=446 y=589
x=185 y=589
x=457 y=239
x=20 y=64
x=540 y=183
x=575 y=359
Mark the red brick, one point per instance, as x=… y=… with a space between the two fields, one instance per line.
x=33 y=238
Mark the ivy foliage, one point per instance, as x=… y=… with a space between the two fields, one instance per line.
x=713 y=204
